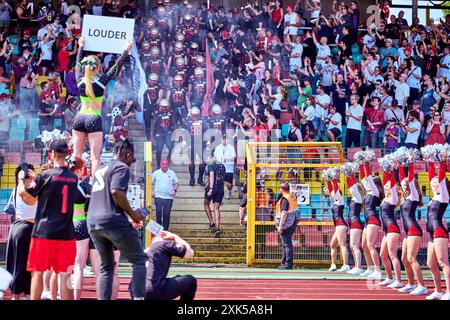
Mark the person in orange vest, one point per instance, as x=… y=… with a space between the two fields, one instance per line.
x=286 y=224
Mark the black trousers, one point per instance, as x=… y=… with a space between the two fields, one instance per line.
x=353 y=136
x=163 y=208
x=163 y=139
x=17 y=251
x=184 y=287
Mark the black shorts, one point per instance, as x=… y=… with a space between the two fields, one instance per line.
x=229 y=177
x=277 y=114
x=81 y=230
x=336 y=132
x=88 y=123
x=47 y=64
x=217 y=195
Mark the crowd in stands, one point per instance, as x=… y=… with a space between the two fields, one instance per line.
x=281 y=71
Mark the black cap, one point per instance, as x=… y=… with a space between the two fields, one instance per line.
x=59 y=146
x=226 y=56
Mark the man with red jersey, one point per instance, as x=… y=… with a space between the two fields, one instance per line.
x=53 y=243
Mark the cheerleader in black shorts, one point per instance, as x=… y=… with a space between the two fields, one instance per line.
x=410 y=199
x=437 y=254
x=389 y=244
x=355 y=223
x=340 y=235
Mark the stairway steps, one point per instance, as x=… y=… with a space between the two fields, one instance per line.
x=214 y=241
x=224 y=219
x=219 y=247
x=226 y=254
x=202 y=226
x=232 y=233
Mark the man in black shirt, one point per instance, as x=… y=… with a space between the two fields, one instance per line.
x=53 y=238
x=214 y=191
x=159 y=257
x=111 y=221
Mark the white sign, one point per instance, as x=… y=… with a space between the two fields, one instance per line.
x=134 y=196
x=154 y=227
x=301 y=192
x=106 y=34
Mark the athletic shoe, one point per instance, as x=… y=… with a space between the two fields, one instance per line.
x=366 y=273
x=435 y=296
x=212 y=226
x=87 y=271
x=332 y=268
x=419 y=291
x=228 y=195
x=46 y=295
x=217 y=233
x=355 y=271
x=446 y=296
x=395 y=285
x=285 y=267
x=375 y=275
x=387 y=282
x=344 y=268
x=408 y=288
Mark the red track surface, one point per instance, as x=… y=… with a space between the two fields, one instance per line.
x=228 y=289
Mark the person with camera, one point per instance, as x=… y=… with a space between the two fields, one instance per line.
x=435 y=129
x=391 y=135
x=374 y=122
x=412 y=128
x=23 y=209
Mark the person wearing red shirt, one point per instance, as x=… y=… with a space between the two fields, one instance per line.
x=374 y=121
x=64 y=57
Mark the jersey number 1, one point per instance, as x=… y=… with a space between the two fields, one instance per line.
x=64 y=199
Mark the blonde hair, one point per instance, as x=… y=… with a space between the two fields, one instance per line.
x=89 y=74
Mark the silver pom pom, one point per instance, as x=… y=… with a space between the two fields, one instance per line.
x=370 y=155
x=347 y=169
x=326 y=175
x=359 y=157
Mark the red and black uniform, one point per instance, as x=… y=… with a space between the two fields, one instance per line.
x=354 y=212
x=178 y=103
x=337 y=209
x=164 y=126
x=372 y=199
x=196 y=130
x=198 y=91
x=438 y=205
x=156 y=65
x=53 y=237
x=387 y=208
x=189 y=31
x=150 y=107
x=409 y=205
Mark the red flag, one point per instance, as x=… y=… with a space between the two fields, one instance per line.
x=209 y=84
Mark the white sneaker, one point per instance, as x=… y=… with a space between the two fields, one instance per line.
x=46 y=295
x=446 y=296
x=344 y=268
x=419 y=291
x=366 y=273
x=87 y=271
x=355 y=271
x=376 y=275
x=435 y=296
x=387 y=282
x=332 y=268
x=408 y=288
x=228 y=195
x=395 y=285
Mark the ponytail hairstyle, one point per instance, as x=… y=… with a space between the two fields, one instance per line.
x=90 y=63
x=379 y=185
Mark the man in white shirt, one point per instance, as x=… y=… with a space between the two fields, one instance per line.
x=334 y=124
x=444 y=67
x=225 y=154
x=401 y=90
x=321 y=111
x=369 y=68
x=412 y=130
x=291 y=21
x=413 y=80
x=323 y=50
x=296 y=54
x=165 y=187
x=354 y=115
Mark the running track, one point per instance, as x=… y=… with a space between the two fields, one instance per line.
x=264 y=289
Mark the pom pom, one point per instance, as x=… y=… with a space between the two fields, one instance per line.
x=386 y=163
x=355 y=167
x=347 y=169
x=435 y=152
x=413 y=155
x=48 y=137
x=359 y=157
x=326 y=175
x=370 y=155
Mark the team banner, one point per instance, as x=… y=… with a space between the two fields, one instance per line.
x=106 y=34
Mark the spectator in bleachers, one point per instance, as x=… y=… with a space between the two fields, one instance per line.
x=5 y=83
x=354 y=115
x=70 y=113
x=412 y=128
x=46 y=44
x=5 y=15
x=47 y=109
x=6 y=114
x=334 y=124
x=323 y=101
x=435 y=129
x=64 y=57
x=391 y=135
x=374 y=122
